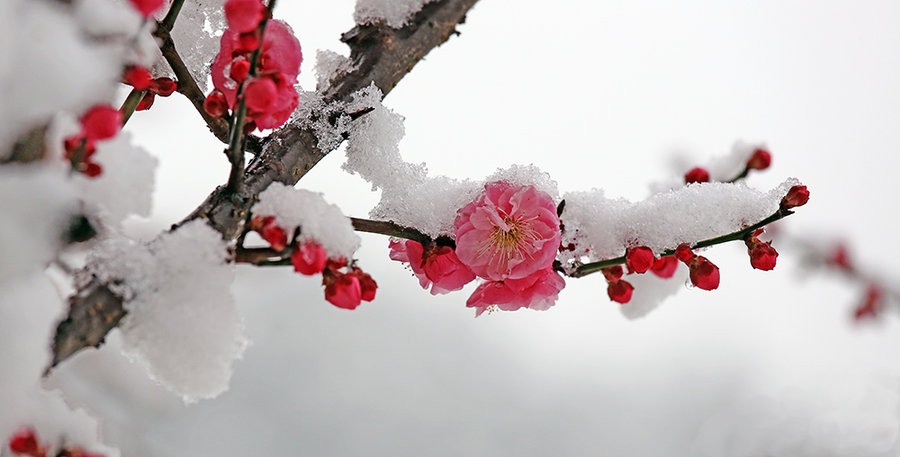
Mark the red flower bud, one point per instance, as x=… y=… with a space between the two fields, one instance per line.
x=871 y=305
x=336 y=264
x=138 y=77
x=620 y=291
x=343 y=290
x=25 y=442
x=760 y=160
x=684 y=253
x=247 y=42
x=163 y=86
x=613 y=274
x=216 y=104
x=840 y=258
x=367 y=285
x=91 y=169
x=639 y=259
x=244 y=15
x=696 y=175
x=665 y=267
x=796 y=196
x=309 y=258
x=704 y=274
x=146 y=102
x=240 y=67
x=101 y=122
x=147 y=7
x=762 y=255
x=269 y=231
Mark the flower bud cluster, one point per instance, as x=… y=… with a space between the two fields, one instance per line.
x=141 y=79
x=101 y=122
x=704 y=274
x=268 y=92
x=346 y=286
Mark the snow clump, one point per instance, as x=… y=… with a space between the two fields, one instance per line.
x=182 y=319
x=317 y=219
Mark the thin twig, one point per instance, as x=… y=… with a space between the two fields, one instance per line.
x=379 y=55
x=593 y=267
x=130 y=104
x=186 y=84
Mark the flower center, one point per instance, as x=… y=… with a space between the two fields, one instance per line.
x=505 y=243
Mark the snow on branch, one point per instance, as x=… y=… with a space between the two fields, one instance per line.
x=379 y=54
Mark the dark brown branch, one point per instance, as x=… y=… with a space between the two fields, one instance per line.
x=93 y=311
x=186 y=84
x=378 y=53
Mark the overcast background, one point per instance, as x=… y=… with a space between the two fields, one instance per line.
x=598 y=94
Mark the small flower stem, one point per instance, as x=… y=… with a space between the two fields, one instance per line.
x=236 y=134
x=743 y=174
x=594 y=267
x=131 y=102
x=271 y=257
x=390 y=229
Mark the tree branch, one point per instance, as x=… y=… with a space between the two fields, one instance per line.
x=593 y=267
x=379 y=55
x=186 y=84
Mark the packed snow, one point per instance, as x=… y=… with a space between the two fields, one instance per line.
x=329 y=65
x=196 y=35
x=602 y=228
x=317 y=219
x=182 y=319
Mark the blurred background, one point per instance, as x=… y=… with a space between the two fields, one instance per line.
x=614 y=95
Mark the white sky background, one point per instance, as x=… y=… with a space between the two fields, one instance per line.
x=598 y=94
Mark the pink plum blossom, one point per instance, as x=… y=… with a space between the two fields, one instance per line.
x=279 y=64
x=509 y=232
x=537 y=291
x=437 y=266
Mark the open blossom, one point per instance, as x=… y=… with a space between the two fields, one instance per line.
x=538 y=290
x=509 y=232
x=435 y=266
x=271 y=97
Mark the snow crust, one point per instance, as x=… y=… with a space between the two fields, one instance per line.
x=409 y=196
x=395 y=13
x=196 y=35
x=182 y=319
x=318 y=220
x=329 y=64
x=721 y=168
x=602 y=228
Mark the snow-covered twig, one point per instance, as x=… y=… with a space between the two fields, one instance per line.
x=380 y=55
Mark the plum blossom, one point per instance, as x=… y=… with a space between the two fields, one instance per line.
x=536 y=291
x=435 y=266
x=509 y=232
x=273 y=95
